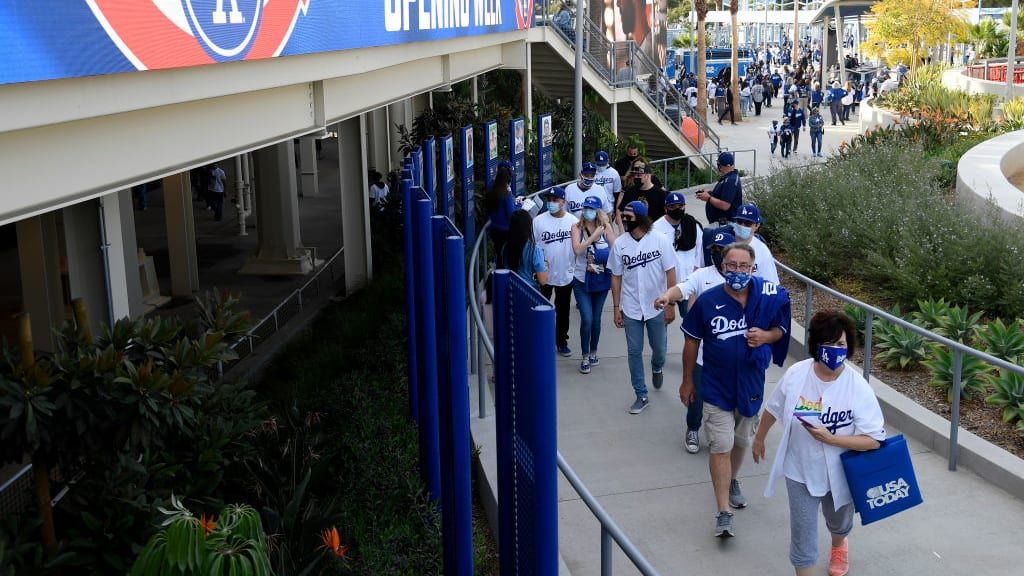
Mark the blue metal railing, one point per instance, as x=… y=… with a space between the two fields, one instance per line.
x=610 y=531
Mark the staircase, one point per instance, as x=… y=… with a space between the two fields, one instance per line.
x=622 y=75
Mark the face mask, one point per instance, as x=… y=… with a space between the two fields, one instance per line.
x=630 y=225
x=589 y=215
x=676 y=214
x=832 y=356
x=737 y=280
x=638 y=182
x=586 y=183
x=742 y=232
x=554 y=207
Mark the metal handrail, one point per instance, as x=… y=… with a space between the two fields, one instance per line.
x=708 y=158
x=610 y=531
x=959 y=349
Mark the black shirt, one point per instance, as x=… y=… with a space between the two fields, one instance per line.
x=730 y=190
x=654 y=198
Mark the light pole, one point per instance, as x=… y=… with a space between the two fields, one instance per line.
x=1011 y=57
x=577 y=103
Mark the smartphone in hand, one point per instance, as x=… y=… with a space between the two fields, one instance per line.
x=803 y=421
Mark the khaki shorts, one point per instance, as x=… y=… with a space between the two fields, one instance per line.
x=726 y=428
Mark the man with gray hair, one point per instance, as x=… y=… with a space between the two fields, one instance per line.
x=744 y=326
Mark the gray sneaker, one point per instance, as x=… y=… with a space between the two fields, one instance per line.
x=692 y=441
x=658 y=378
x=723 y=525
x=639 y=406
x=736 y=497
x=594 y=360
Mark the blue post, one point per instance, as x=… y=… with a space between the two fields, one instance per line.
x=410 y=290
x=426 y=336
x=503 y=420
x=457 y=504
x=536 y=349
x=430 y=168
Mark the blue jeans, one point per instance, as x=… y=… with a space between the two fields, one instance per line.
x=657 y=336
x=590 y=304
x=695 y=410
x=816 y=142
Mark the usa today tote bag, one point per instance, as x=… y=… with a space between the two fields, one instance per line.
x=882 y=481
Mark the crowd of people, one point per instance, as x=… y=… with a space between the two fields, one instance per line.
x=618 y=230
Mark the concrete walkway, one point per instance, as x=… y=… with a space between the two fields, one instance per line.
x=662 y=498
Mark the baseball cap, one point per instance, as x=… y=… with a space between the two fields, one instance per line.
x=592 y=202
x=749 y=213
x=588 y=168
x=556 y=192
x=726 y=159
x=505 y=164
x=722 y=239
x=675 y=198
x=601 y=158
x=638 y=208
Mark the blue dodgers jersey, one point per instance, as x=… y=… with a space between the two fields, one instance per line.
x=730 y=379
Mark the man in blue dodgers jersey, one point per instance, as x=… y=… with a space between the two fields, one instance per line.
x=552 y=231
x=583 y=188
x=643 y=266
x=743 y=325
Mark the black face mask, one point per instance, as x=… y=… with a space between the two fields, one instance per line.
x=676 y=214
x=638 y=181
x=630 y=225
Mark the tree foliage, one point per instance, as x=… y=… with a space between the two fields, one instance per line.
x=912 y=25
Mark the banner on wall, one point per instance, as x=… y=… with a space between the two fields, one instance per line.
x=491 y=152
x=468 y=186
x=545 y=143
x=446 y=191
x=517 y=150
x=642 y=21
x=41 y=41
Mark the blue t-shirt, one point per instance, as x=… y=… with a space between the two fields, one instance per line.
x=730 y=378
x=816 y=123
x=797 y=119
x=816 y=97
x=531 y=263
x=730 y=190
x=502 y=215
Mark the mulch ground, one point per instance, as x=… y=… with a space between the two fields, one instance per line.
x=976 y=416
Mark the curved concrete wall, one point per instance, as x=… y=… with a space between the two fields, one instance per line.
x=982 y=175
x=955 y=79
x=872 y=117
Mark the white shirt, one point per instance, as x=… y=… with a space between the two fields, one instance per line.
x=848 y=407
x=378 y=193
x=554 y=235
x=611 y=181
x=700 y=281
x=764 y=262
x=691 y=96
x=574 y=197
x=642 y=265
x=686 y=261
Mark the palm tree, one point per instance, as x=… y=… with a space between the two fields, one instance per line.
x=796 y=31
x=701 y=6
x=734 y=78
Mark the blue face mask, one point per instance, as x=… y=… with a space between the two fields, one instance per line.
x=741 y=232
x=832 y=356
x=554 y=207
x=737 y=280
x=589 y=215
x=586 y=183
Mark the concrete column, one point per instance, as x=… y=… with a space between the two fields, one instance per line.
x=86 y=262
x=396 y=117
x=527 y=88
x=181 y=234
x=355 y=203
x=42 y=293
x=129 y=250
x=377 y=140
x=840 y=42
x=615 y=118
x=476 y=89
x=309 y=184
x=824 y=53
x=280 y=250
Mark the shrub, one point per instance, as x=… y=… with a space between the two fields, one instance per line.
x=1004 y=341
x=1009 y=393
x=974 y=373
x=859 y=317
x=959 y=324
x=930 y=313
x=901 y=348
x=1013 y=114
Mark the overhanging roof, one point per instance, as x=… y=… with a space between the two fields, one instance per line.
x=847 y=9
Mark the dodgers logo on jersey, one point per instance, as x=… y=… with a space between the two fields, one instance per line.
x=155 y=34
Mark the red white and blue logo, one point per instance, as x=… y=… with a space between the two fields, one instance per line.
x=158 y=34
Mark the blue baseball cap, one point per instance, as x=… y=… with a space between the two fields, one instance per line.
x=592 y=202
x=556 y=192
x=726 y=159
x=722 y=239
x=601 y=158
x=675 y=198
x=748 y=213
x=588 y=168
x=638 y=208
x=505 y=164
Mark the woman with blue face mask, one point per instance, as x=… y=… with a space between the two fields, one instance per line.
x=592 y=239
x=826 y=408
